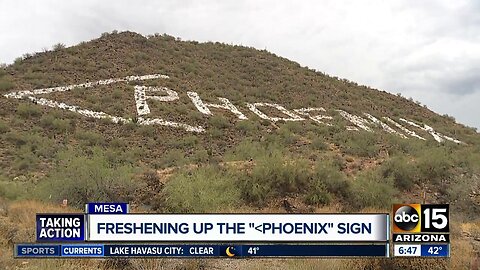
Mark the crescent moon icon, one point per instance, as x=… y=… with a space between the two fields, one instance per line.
x=229 y=253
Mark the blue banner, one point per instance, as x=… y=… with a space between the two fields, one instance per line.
x=37 y=250
x=60 y=227
x=107 y=208
x=436 y=250
x=82 y=250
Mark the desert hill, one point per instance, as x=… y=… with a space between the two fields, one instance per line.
x=182 y=126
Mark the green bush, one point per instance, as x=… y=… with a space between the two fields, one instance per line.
x=247 y=127
x=206 y=189
x=332 y=178
x=468 y=159
x=216 y=133
x=174 y=157
x=283 y=136
x=219 y=122
x=56 y=124
x=29 y=149
x=319 y=144
x=185 y=141
x=17 y=138
x=147 y=130
x=275 y=176
x=3 y=70
x=245 y=150
x=25 y=159
x=458 y=193
x=28 y=110
x=117 y=143
x=317 y=194
x=200 y=155
x=4 y=128
x=358 y=143
x=87 y=178
x=396 y=145
x=294 y=126
x=14 y=190
x=58 y=47
x=6 y=85
x=90 y=138
x=369 y=189
x=434 y=165
x=403 y=174
x=18 y=188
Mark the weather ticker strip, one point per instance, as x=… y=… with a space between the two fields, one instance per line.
x=110 y=230
x=155 y=250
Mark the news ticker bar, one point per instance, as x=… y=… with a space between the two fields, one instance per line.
x=154 y=250
x=213 y=227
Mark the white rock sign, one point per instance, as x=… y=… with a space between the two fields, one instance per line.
x=143 y=94
x=140 y=99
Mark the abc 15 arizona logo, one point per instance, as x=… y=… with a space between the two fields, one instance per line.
x=420 y=218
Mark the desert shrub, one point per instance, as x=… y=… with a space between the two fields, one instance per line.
x=468 y=159
x=3 y=70
x=29 y=149
x=90 y=138
x=200 y=155
x=219 y=122
x=369 y=189
x=294 y=126
x=32 y=139
x=56 y=124
x=117 y=143
x=15 y=137
x=119 y=156
x=397 y=145
x=28 y=110
x=11 y=190
x=14 y=190
x=174 y=157
x=403 y=173
x=265 y=122
x=6 y=85
x=84 y=178
x=283 y=136
x=247 y=127
x=332 y=178
x=361 y=143
x=245 y=150
x=434 y=165
x=317 y=194
x=185 y=142
x=206 y=189
x=147 y=130
x=318 y=144
x=458 y=192
x=25 y=160
x=4 y=128
x=275 y=176
x=58 y=46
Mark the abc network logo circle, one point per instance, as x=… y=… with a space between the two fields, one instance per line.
x=406 y=218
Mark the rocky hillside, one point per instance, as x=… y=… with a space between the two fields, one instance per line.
x=182 y=126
